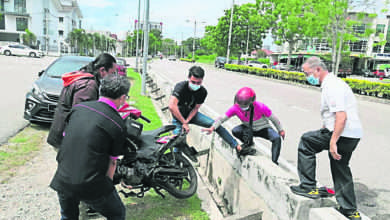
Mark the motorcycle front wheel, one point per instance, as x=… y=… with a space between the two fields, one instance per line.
x=181 y=187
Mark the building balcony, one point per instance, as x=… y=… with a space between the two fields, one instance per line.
x=15 y=11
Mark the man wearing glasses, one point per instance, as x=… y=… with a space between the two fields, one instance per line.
x=340 y=134
x=184 y=104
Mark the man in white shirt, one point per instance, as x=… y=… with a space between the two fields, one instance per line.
x=340 y=134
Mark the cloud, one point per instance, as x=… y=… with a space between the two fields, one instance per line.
x=95 y=3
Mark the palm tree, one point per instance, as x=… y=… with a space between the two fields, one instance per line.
x=97 y=42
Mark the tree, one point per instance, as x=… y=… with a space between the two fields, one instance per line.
x=168 y=46
x=341 y=25
x=292 y=21
x=248 y=30
x=29 y=38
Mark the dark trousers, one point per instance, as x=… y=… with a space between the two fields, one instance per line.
x=314 y=142
x=266 y=133
x=110 y=206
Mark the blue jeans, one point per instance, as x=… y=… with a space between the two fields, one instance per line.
x=110 y=206
x=266 y=133
x=206 y=122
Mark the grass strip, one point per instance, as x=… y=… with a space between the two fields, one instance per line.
x=20 y=149
x=152 y=206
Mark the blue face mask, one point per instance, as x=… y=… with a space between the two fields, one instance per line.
x=193 y=86
x=312 y=80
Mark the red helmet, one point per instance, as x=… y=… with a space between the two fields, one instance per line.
x=245 y=96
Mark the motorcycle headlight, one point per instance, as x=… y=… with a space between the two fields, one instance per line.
x=36 y=91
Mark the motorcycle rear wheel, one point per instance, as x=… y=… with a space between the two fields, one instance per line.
x=181 y=188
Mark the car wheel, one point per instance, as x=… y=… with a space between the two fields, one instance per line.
x=32 y=54
x=7 y=53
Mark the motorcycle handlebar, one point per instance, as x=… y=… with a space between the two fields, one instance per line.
x=144 y=118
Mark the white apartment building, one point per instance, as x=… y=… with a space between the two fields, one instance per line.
x=49 y=20
x=365 y=53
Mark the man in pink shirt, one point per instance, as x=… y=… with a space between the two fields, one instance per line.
x=244 y=100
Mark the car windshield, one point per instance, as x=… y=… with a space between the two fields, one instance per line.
x=62 y=66
x=120 y=62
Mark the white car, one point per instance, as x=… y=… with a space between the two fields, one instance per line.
x=18 y=49
x=255 y=63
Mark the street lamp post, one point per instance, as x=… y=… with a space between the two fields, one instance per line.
x=181 y=54
x=230 y=33
x=145 y=49
x=137 y=24
x=193 y=40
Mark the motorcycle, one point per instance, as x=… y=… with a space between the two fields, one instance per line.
x=150 y=161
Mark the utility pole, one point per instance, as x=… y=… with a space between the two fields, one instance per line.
x=230 y=33
x=193 y=42
x=181 y=54
x=137 y=47
x=146 y=46
x=46 y=11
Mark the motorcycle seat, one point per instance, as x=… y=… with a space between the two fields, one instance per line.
x=147 y=145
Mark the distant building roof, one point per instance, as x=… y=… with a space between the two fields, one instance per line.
x=267 y=52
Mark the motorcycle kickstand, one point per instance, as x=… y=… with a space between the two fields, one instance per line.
x=158 y=191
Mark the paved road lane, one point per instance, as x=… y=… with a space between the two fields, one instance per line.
x=298 y=109
x=17 y=76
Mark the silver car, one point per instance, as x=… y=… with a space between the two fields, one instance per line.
x=21 y=50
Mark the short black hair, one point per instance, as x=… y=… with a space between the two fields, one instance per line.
x=114 y=86
x=197 y=72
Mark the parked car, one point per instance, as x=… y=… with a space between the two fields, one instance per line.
x=172 y=58
x=238 y=62
x=21 y=50
x=344 y=72
x=220 y=62
x=282 y=66
x=41 y=100
x=363 y=72
x=255 y=63
x=121 y=66
x=379 y=73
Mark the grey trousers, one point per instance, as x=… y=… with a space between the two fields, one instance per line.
x=314 y=142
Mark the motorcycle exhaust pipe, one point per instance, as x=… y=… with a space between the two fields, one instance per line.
x=171 y=172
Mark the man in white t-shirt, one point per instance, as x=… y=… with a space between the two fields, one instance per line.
x=340 y=134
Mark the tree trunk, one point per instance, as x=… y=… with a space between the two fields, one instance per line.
x=290 y=49
x=338 y=57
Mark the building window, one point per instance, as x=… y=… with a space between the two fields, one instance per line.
x=61 y=19
x=358 y=46
x=2 y=22
x=61 y=33
x=21 y=24
x=380 y=29
x=387 y=48
x=359 y=28
x=20 y=6
x=388 y=35
x=377 y=48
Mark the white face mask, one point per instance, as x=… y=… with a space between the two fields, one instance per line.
x=245 y=108
x=193 y=86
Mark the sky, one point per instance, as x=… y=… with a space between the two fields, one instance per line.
x=119 y=15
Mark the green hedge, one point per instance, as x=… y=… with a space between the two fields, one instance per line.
x=363 y=87
x=187 y=60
